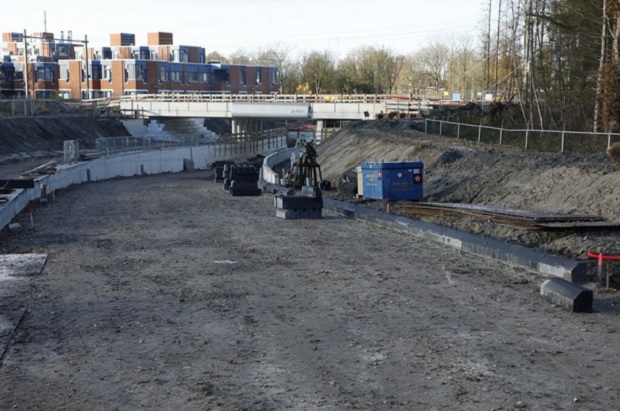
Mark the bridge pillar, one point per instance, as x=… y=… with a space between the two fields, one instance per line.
x=320 y=124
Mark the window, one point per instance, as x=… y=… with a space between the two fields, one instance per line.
x=96 y=73
x=259 y=75
x=163 y=74
x=274 y=77
x=153 y=54
x=242 y=75
x=176 y=75
x=183 y=56
x=44 y=73
x=140 y=71
x=107 y=73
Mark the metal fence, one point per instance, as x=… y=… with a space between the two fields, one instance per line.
x=232 y=143
x=538 y=140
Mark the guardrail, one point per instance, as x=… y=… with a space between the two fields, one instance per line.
x=538 y=140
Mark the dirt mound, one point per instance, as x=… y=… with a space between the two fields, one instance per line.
x=497 y=176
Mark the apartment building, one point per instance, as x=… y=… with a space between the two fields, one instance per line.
x=68 y=69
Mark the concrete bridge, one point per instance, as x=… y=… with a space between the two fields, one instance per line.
x=248 y=110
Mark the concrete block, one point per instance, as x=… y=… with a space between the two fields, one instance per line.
x=419 y=228
x=369 y=214
x=288 y=214
x=434 y=233
x=453 y=238
x=294 y=202
x=311 y=214
x=245 y=192
x=525 y=257
x=573 y=297
x=308 y=191
x=15 y=227
x=341 y=207
x=475 y=244
x=570 y=270
x=243 y=184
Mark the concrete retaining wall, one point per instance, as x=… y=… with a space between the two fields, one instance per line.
x=169 y=160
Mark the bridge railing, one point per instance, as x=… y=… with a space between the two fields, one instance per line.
x=113 y=145
x=291 y=98
x=538 y=140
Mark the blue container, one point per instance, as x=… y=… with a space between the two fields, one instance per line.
x=393 y=181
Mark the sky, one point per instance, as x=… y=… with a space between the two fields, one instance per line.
x=229 y=26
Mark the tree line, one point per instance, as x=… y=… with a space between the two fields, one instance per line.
x=553 y=63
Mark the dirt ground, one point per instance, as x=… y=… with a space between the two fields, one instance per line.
x=164 y=292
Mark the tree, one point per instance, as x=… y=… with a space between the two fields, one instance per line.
x=318 y=70
x=434 y=58
x=215 y=56
x=288 y=70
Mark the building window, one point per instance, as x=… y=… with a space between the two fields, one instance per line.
x=96 y=73
x=242 y=78
x=140 y=72
x=107 y=73
x=274 y=77
x=259 y=76
x=163 y=74
x=176 y=76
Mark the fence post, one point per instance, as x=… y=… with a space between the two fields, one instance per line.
x=562 y=146
x=425 y=126
x=501 y=134
x=608 y=140
x=440 y=127
x=479 y=132
x=458 y=130
x=527 y=131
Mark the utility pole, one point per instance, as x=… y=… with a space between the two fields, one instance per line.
x=26 y=66
x=87 y=69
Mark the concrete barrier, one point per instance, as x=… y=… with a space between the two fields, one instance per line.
x=571 y=296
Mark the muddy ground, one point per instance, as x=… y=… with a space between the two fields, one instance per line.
x=165 y=292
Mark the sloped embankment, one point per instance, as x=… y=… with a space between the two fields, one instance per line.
x=492 y=175
x=44 y=135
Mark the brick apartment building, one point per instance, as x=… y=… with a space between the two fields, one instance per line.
x=64 y=68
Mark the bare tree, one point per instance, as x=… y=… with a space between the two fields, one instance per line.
x=318 y=70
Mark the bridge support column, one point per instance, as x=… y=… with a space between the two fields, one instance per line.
x=318 y=134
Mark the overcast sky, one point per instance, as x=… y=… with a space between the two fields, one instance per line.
x=230 y=25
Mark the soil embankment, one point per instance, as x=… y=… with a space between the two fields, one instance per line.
x=43 y=136
x=496 y=176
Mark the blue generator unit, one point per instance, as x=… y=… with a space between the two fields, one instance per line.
x=393 y=181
